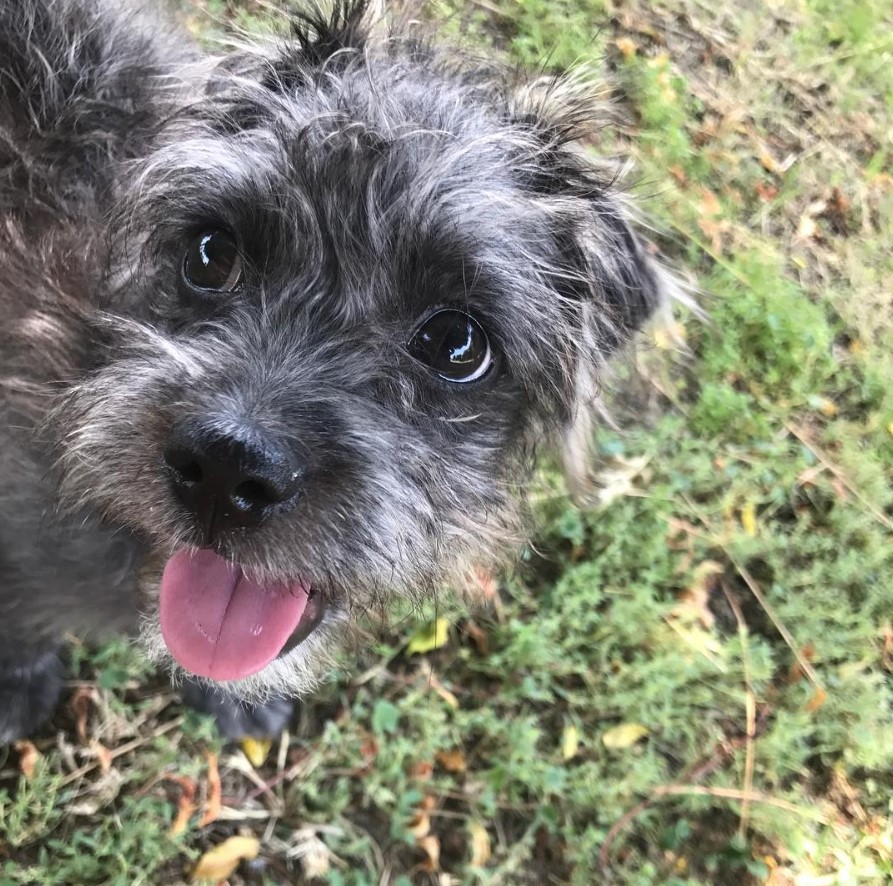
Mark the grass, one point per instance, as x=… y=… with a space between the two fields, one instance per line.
x=689 y=683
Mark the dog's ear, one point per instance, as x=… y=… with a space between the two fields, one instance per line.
x=607 y=270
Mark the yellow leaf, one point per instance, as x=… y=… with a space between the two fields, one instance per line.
x=890 y=429
x=432 y=636
x=625 y=735
x=749 y=518
x=825 y=406
x=570 y=742
x=626 y=46
x=218 y=863
x=767 y=160
x=480 y=844
x=256 y=750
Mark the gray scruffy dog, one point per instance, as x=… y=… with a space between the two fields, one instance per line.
x=281 y=331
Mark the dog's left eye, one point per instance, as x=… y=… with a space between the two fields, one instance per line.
x=213 y=262
x=454 y=345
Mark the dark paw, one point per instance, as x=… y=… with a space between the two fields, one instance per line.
x=235 y=719
x=29 y=691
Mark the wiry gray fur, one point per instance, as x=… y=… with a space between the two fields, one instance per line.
x=369 y=180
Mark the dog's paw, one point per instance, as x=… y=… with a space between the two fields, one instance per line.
x=236 y=719
x=29 y=691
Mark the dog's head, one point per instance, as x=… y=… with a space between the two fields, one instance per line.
x=355 y=285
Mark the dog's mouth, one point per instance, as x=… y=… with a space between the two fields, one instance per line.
x=219 y=623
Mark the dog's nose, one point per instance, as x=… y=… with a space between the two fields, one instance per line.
x=229 y=479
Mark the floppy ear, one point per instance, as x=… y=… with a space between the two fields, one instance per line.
x=628 y=288
x=608 y=269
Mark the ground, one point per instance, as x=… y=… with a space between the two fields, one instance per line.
x=689 y=680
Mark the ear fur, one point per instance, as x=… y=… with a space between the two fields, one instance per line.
x=614 y=274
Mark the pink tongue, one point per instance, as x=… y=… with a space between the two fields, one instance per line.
x=218 y=623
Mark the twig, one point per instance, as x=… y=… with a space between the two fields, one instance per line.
x=120 y=751
x=750 y=708
x=838 y=472
x=751 y=583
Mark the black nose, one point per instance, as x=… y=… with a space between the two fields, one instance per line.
x=229 y=478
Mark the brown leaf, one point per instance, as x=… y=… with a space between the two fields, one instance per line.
x=28 y=756
x=479 y=636
x=213 y=804
x=819 y=697
x=766 y=192
x=453 y=760
x=102 y=754
x=836 y=211
x=81 y=704
x=422 y=770
x=420 y=825
x=431 y=847
x=218 y=863
x=185 y=805
x=678 y=173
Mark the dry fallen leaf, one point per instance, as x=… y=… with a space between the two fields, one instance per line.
x=420 y=825
x=102 y=754
x=315 y=857
x=480 y=844
x=28 y=757
x=819 y=697
x=452 y=760
x=256 y=750
x=694 y=601
x=429 y=637
x=479 y=636
x=623 y=736
x=570 y=742
x=749 y=518
x=82 y=701
x=218 y=863
x=185 y=805
x=213 y=803
x=626 y=46
x=806 y=229
x=431 y=847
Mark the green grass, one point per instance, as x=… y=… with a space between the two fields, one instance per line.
x=763 y=460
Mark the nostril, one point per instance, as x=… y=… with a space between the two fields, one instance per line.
x=190 y=472
x=184 y=467
x=258 y=494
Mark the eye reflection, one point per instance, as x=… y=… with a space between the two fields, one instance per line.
x=454 y=345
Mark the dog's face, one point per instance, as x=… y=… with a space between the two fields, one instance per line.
x=349 y=292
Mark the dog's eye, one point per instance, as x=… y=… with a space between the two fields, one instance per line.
x=212 y=262
x=454 y=345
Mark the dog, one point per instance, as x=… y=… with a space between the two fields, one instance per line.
x=283 y=334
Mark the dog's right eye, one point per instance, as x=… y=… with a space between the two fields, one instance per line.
x=212 y=262
x=454 y=345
